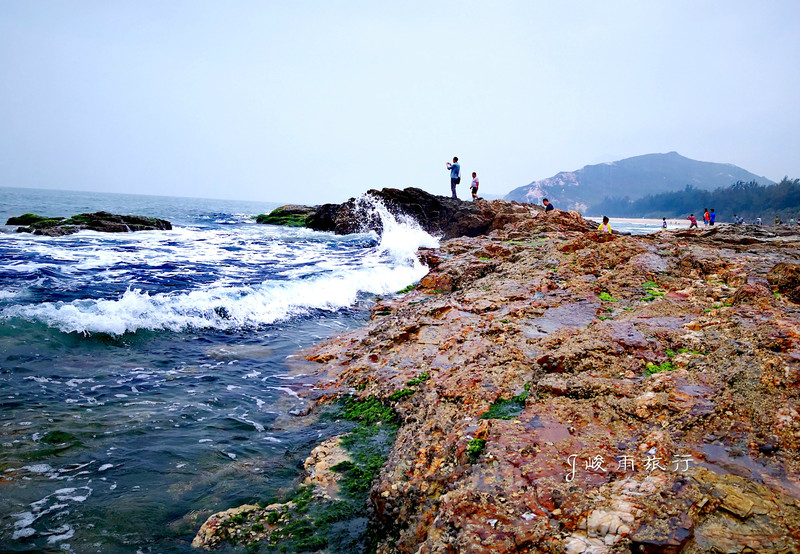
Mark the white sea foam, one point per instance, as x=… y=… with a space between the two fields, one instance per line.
x=320 y=281
x=61 y=533
x=287 y=390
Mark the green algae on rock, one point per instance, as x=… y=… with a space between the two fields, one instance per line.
x=290 y=215
x=327 y=510
x=97 y=221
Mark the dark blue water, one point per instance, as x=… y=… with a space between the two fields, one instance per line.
x=150 y=379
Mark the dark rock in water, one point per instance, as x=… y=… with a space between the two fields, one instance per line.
x=439 y=215
x=97 y=221
x=291 y=215
x=442 y=216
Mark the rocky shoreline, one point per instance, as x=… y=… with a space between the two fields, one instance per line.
x=585 y=392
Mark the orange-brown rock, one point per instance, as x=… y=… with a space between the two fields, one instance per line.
x=662 y=393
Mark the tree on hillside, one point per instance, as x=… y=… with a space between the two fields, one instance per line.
x=746 y=199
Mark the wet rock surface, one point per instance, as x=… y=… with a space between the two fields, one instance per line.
x=97 y=221
x=656 y=379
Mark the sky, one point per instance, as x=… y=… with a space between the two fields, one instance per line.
x=311 y=102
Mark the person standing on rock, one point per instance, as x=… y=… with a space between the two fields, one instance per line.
x=664 y=223
x=548 y=207
x=712 y=216
x=474 y=186
x=605 y=227
x=455 y=175
x=692 y=221
x=706 y=217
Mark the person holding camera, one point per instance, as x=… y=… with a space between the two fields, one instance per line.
x=455 y=175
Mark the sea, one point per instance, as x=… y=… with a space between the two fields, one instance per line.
x=150 y=379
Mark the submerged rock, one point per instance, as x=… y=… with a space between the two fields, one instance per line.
x=98 y=221
x=250 y=523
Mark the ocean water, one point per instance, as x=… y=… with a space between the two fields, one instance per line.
x=150 y=379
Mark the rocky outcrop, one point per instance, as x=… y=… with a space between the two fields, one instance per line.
x=587 y=393
x=97 y=221
x=439 y=215
x=291 y=215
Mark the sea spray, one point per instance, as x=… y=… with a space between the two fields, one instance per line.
x=401 y=234
x=311 y=271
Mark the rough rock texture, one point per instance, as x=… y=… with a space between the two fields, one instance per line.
x=655 y=380
x=439 y=215
x=97 y=221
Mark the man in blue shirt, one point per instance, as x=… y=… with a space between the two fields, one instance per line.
x=455 y=175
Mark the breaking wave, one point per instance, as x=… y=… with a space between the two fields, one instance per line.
x=297 y=272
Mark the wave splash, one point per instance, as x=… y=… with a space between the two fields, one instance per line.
x=333 y=284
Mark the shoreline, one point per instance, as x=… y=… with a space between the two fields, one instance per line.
x=555 y=355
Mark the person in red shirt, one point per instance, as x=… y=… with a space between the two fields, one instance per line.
x=693 y=221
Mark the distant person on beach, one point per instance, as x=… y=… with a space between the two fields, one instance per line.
x=474 y=186
x=692 y=221
x=605 y=227
x=664 y=223
x=455 y=175
x=758 y=220
x=548 y=207
x=706 y=217
x=712 y=216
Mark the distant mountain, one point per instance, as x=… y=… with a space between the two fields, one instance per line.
x=632 y=178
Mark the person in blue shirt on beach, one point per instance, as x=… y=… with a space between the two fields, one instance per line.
x=455 y=175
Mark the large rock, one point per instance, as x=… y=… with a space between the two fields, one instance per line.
x=98 y=221
x=439 y=215
x=291 y=215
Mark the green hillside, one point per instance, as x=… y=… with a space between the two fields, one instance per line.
x=632 y=178
x=748 y=200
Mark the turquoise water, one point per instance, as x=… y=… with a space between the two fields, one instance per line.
x=150 y=379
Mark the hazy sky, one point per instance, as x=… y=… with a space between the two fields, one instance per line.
x=312 y=102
